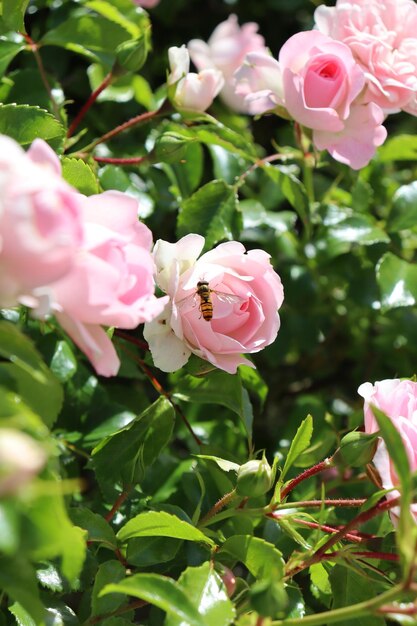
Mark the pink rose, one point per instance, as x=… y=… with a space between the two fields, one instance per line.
x=245 y=294
x=398 y=400
x=320 y=80
x=355 y=144
x=382 y=35
x=226 y=50
x=40 y=226
x=259 y=82
x=193 y=92
x=111 y=282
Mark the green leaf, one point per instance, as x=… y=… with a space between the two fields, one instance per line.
x=18 y=580
x=161 y=524
x=35 y=382
x=300 y=443
x=404 y=208
x=226 y=466
x=348 y=588
x=90 y=35
x=207 y=592
x=108 y=572
x=400 y=147
x=9 y=527
x=80 y=175
x=292 y=188
x=96 y=526
x=8 y=51
x=50 y=534
x=262 y=558
x=397 y=281
x=162 y=592
x=211 y=211
x=217 y=388
x=110 y=12
x=13 y=14
x=149 y=551
x=216 y=134
x=407 y=530
x=26 y=123
x=135 y=447
x=359 y=229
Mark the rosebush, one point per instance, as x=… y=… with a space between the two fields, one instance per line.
x=181 y=436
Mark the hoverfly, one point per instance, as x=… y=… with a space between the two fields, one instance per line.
x=204 y=292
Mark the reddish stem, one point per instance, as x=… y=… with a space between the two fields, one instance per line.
x=316 y=525
x=381 y=556
x=134 y=121
x=220 y=504
x=35 y=49
x=137 y=342
x=115 y=161
x=410 y=610
x=87 y=105
x=158 y=387
x=363 y=517
x=348 y=502
x=116 y=506
x=311 y=471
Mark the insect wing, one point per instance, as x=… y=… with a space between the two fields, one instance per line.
x=192 y=297
x=227 y=297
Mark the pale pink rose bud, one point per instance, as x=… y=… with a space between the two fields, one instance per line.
x=21 y=459
x=226 y=51
x=398 y=400
x=193 y=92
x=382 y=35
x=111 y=283
x=245 y=294
x=259 y=81
x=40 y=226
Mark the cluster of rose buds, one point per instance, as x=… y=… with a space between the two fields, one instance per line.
x=338 y=82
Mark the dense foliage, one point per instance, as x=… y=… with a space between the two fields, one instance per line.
x=181 y=493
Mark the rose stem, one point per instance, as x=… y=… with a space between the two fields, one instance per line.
x=311 y=471
x=88 y=104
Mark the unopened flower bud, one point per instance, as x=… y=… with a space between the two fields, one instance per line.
x=356 y=449
x=21 y=458
x=254 y=478
x=229 y=580
x=131 y=55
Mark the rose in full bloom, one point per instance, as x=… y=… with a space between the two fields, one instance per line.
x=320 y=80
x=226 y=50
x=398 y=400
x=246 y=294
x=382 y=35
x=319 y=84
x=193 y=92
x=111 y=283
x=40 y=224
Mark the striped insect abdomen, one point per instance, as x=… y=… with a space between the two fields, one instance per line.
x=206 y=305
